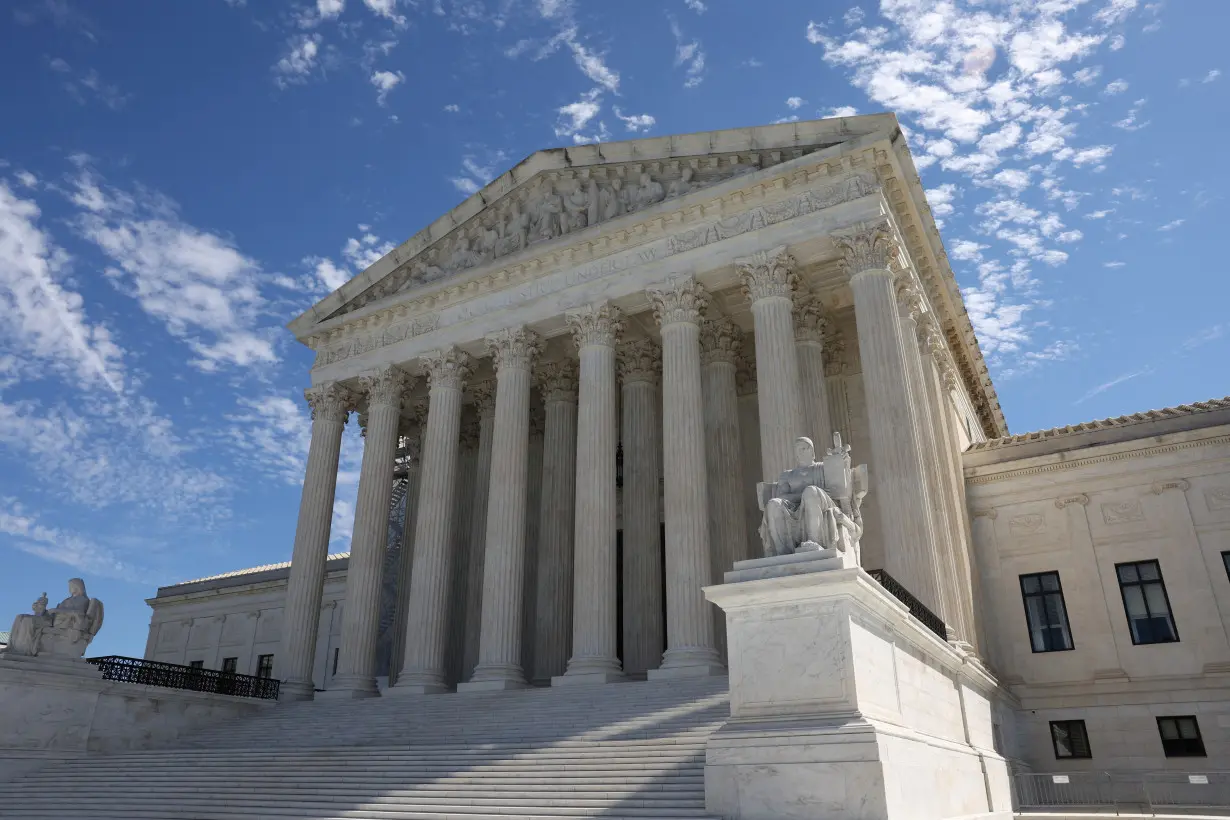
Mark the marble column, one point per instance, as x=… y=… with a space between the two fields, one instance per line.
x=484 y=404
x=412 y=453
x=356 y=672
x=835 y=385
x=768 y=281
x=720 y=351
x=810 y=326
x=595 y=330
x=690 y=649
x=499 y=655
x=331 y=405
x=553 y=624
x=423 y=671
x=459 y=584
x=897 y=468
x=533 y=509
x=640 y=368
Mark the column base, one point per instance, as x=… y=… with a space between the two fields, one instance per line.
x=700 y=670
x=588 y=678
x=292 y=690
x=494 y=677
x=493 y=685
x=350 y=688
x=417 y=683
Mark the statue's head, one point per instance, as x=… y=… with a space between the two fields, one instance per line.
x=804 y=451
x=76 y=587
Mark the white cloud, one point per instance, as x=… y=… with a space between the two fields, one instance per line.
x=1170 y=226
x=1099 y=214
x=328 y=9
x=476 y=173
x=1102 y=388
x=1013 y=179
x=636 y=123
x=1117 y=42
x=452 y=108
x=1211 y=76
x=1115 y=11
x=1116 y=87
x=358 y=253
x=941 y=198
x=689 y=53
x=42 y=321
x=386 y=81
x=1087 y=75
x=853 y=16
x=62 y=547
x=794 y=102
x=576 y=116
x=1131 y=122
x=88 y=84
x=1113 y=264
x=386 y=9
x=299 y=61
x=696 y=6
x=841 y=111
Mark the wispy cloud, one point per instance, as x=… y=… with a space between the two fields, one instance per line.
x=1102 y=388
x=385 y=82
x=690 y=54
x=299 y=61
x=86 y=86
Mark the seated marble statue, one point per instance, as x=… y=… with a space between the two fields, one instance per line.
x=814 y=505
x=63 y=631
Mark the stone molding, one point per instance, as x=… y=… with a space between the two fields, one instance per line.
x=514 y=347
x=1145 y=452
x=598 y=324
x=768 y=274
x=387 y=386
x=721 y=340
x=1078 y=498
x=449 y=368
x=868 y=247
x=639 y=360
x=331 y=402
x=557 y=380
x=1180 y=484
x=680 y=300
x=991 y=514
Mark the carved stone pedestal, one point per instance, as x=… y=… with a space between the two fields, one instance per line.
x=845 y=706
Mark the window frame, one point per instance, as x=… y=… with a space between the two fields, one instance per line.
x=1161 y=581
x=337 y=652
x=1225 y=562
x=234 y=664
x=261 y=671
x=1199 y=739
x=1084 y=731
x=199 y=665
x=1025 y=596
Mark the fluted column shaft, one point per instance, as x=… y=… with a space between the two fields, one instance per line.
x=553 y=624
x=897 y=465
x=690 y=649
x=331 y=406
x=533 y=511
x=463 y=497
x=720 y=351
x=640 y=367
x=768 y=281
x=356 y=673
x=423 y=671
x=810 y=325
x=594 y=658
x=499 y=657
x=405 y=560
x=484 y=403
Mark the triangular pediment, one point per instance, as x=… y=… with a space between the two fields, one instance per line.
x=560 y=194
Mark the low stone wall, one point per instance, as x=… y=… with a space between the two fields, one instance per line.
x=48 y=715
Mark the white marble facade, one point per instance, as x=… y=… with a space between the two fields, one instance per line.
x=587 y=368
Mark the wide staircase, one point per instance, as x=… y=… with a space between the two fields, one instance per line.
x=623 y=750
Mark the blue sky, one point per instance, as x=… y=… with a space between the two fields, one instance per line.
x=179 y=180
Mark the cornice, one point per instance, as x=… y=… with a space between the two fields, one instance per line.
x=1077 y=463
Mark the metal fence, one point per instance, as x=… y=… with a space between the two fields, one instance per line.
x=919 y=610
x=174 y=676
x=1167 y=792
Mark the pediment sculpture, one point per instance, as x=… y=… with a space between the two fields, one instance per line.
x=63 y=631
x=815 y=505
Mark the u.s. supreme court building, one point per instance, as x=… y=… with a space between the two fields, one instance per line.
x=571 y=386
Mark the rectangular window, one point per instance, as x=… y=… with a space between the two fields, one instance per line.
x=1225 y=560
x=197 y=664
x=1045 y=612
x=229 y=665
x=264 y=666
x=1070 y=739
x=337 y=651
x=1180 y=736
x=1146 y=603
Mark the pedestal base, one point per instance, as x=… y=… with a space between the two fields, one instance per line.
x=296 y=690
x=707 y=670
x=405 y=689
x=350 y=689
x=844 y=706
x=73 y=667
x=588 y=678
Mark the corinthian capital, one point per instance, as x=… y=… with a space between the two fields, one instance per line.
x=514 y=348
x=909 y=300
x=387 y=386
x=721 y=340
x=330 y=402
x=598 y=324
x=866 y=248
x=557 y=380
x=639 y=360
x=767 y=273
x=448 y=368
x=810 y=323
x=484 y=398
x=681 y=299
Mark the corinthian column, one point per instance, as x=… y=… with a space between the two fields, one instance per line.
x=423 y=670
x=690 y=649
x=484 y=405
x=594 y=660
x=533 y=508
x=768 y=279
x=640 y=366
x=720 y=345
x=412 y=442
x=553 y=624
x=499 y=654
x=331 y=405
x=356 y=672
x=810 y=326
x=898 y=471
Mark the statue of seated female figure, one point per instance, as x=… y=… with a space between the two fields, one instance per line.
x=814 y=505
x=63 y=631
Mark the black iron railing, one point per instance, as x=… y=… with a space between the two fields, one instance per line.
x=174 y=676
x=894 y=588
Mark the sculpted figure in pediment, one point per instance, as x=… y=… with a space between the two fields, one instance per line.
x=545 y=216
x=682 y=185
x=423 y=271
x=576 y=209
x=650 y=192
x=515 y=232
x=463 y=256
x=613 y=199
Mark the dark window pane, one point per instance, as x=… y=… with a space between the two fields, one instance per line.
x=1029 y=583
x=1050 y=582
x=1127 y=573
x=1148 y=570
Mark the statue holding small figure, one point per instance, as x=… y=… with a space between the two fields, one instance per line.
x=815 y=505
x=63 y=631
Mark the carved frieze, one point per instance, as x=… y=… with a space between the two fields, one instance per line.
x=1122 y=512
x=1217 y=498
x=1027 y=524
